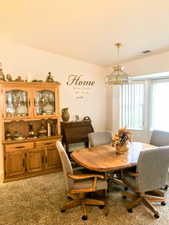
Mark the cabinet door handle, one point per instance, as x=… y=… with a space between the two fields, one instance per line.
x=42 y=159
x=48 y=143
x=29 y=103
x=19 y=147
x=23 y=163
x=46 y=159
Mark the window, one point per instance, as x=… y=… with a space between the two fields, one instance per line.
x=142 y=105
x=132 y=105
x=160 y=105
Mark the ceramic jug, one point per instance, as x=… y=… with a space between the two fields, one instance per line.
x=65 y=114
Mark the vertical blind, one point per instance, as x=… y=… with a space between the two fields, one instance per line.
x=132 y=105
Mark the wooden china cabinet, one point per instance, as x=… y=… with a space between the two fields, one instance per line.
x=29 y=128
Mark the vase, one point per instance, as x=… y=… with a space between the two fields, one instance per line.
x=120 y=149
x=65 y=114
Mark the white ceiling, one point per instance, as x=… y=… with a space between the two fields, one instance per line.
x=88 y=29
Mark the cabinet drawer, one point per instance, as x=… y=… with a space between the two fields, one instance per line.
x=46 y=144
x=20 y=146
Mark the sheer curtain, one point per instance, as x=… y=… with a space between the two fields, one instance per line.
x=160 y=105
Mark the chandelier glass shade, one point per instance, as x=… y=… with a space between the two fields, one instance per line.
x=118 y=76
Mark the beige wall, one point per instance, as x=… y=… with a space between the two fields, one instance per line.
x=151 y=64
x=98 y=104
x=35 y=64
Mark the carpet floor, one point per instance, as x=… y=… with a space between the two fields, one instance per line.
x=37 y=200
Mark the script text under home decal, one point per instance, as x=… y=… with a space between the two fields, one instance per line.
x=80 y=85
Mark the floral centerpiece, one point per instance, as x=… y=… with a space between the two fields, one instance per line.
x=121 y=139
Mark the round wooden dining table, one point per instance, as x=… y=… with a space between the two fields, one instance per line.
x=104 y=158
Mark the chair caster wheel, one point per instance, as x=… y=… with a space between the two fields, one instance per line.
x=130 y=210
x=84 y=218
x=63 y=210
x=126 y=188
x=156 y=215
x=163 y=203
x=101 y=207
x=124 y=197
x=166 y=187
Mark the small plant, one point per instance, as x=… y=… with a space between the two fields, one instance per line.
x=122 y=137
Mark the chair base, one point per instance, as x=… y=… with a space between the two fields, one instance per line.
x=145 y=199
x=80 y=200
x=157 y=192
x=116 y=178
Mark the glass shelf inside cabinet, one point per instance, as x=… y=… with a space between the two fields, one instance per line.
x=45 y=102
x=16 y=103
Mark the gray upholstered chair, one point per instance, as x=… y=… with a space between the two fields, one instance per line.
x=151 y=174
x=100 y=138
x=78 y=185
x=159 y=138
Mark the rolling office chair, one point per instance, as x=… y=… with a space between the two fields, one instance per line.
x=77 y=186
x=151 y=174
x=160 y=138
x=100 y=138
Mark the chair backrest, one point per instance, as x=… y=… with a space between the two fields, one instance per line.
x=153 y=168
x=66 y=165
x=159 y=138
x=100 y=138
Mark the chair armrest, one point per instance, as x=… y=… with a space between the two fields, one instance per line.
x=132 y=174
x=89 y=189
x=85 y=176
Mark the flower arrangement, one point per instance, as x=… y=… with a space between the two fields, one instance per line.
x=121 y=138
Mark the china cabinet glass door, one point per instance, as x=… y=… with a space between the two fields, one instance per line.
x=44 y=103
x=16 y=103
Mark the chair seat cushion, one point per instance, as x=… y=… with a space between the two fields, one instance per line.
x=100 y=185
x=131 y=180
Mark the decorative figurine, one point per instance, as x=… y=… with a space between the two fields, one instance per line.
x=2 y=76
x=19 y=79
x=8 y=77
x=8 y=135
x=49 y=78
x=30 y=132
x=42 y=131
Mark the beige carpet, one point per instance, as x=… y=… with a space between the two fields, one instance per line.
x=36 y=201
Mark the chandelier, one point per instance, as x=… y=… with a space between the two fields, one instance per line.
x=118 y=76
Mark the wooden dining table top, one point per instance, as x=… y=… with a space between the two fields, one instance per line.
x=104 y=158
